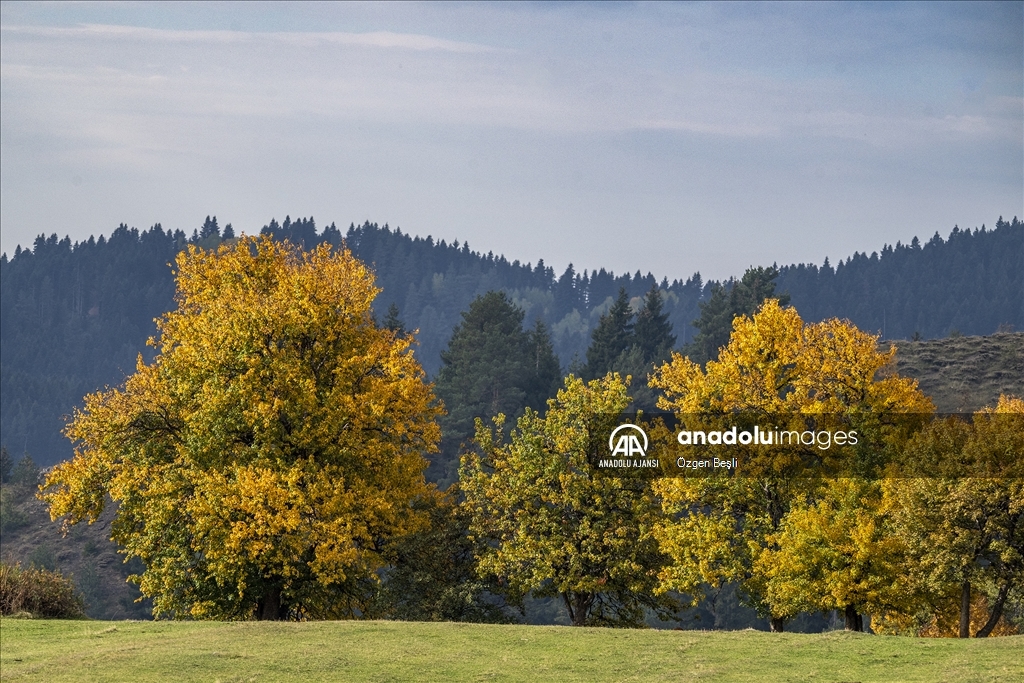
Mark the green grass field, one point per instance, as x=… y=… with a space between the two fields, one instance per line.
x=394 y=651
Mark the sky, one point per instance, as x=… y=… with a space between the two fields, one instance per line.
x=665 y=138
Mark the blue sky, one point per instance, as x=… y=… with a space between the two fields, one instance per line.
x=668 y=138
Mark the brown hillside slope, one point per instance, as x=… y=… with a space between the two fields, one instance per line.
x=28 y=537
x=963 y=374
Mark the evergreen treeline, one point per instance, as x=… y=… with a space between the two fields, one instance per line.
x=971 y=283
x=73 y=317
x=433 y=282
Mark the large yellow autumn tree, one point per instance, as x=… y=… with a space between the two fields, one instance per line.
x=729 y=528
x=264 y=457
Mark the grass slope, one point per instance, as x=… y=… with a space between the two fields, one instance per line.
x=963 y=374
x=396 y=651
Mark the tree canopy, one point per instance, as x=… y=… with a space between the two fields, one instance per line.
x=551 y=524
x=960 y=509
x=275 y=443
x=726 y=530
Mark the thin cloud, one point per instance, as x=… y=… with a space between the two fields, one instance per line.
x=379 y=39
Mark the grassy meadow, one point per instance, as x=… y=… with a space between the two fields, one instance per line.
x=44 y=650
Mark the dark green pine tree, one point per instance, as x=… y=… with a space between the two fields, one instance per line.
x=393 y=322
x=491 y=366
x=25 y=472
x=716 y=315
x=714 y=326
x=209 y=229
x=612 y=336
x=652 y=331
x=545 y=370
x=757 y=285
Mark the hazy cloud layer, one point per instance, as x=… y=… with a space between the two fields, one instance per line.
x=667 y=138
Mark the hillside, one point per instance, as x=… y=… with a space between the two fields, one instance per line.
x=963 y=374
x=971 y=283
x=28 y=536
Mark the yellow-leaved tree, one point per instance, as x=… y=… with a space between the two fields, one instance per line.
x=551 y=524
x=271 y=448
x=958 y=498
x=836 y=549
x=778 y=370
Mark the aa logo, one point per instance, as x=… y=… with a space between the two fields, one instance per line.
x=625 y=441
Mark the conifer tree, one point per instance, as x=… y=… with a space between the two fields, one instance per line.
x=545 y=370
x=210 y=228
x=653 y=331
x=612 y=336
x=6 y=464
x=716 y=315
x=393 y=322
x=491 y=366
x=26 y=472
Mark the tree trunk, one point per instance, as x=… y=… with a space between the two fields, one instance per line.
x=965 y=610
x=853 y=620
x=578 y=605
x=270 y=607
x=997 y=611
x=777 y=624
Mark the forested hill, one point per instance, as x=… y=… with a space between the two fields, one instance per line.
x=73 y=317
x=971 y=283
x=433 y=282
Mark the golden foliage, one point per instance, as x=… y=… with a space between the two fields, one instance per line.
x=945 y=623
x=274 y=441
x=836 y=553
x=730 y=528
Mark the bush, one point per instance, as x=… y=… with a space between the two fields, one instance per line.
x=46 y=594
x=43 y=557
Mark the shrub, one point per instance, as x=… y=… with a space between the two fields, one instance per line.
x=46 y=594
x=43 y=557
